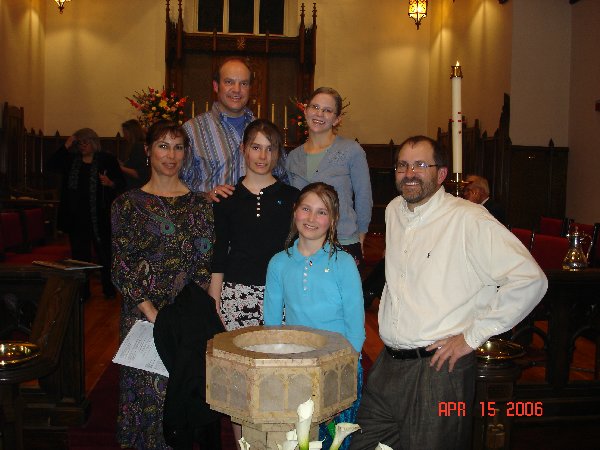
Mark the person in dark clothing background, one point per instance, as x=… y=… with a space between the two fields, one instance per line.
x=135 y=167
x=478 y=191
x=91 y=180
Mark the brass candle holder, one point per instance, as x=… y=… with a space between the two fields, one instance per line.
x=456 y=71
x=285 y=136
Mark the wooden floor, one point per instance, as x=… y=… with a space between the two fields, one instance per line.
x=101 y=327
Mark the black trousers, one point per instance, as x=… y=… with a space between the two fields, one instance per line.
x=82 y=241
x=402 y=405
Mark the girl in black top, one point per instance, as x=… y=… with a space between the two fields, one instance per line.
x=251 y=226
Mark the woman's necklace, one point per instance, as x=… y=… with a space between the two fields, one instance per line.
x=168 y=191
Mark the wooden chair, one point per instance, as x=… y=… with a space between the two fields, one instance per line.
x=553 y=227
x=524 y=235
x=549 y=251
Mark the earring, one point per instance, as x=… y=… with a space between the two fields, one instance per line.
x=147 y=161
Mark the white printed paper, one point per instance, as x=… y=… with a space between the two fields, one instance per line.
x=138 y=349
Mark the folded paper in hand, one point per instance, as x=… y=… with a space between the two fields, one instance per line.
x=138 y=349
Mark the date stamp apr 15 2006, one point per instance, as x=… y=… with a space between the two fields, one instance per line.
x=489 y=409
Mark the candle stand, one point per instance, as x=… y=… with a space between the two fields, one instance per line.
x=456 y=184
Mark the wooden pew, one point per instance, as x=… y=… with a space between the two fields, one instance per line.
x=43 y=306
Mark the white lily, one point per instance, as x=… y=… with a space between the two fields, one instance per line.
x=291 y=435
x=244 y=444
x=381 y=446
x=305 y=412
x=342 y=430
x=288 y=445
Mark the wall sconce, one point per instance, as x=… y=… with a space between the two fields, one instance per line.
x=61 y=4
x=417 y=10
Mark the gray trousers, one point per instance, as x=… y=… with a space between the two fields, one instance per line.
x=405 y=405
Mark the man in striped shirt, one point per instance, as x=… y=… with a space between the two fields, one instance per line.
x=216 y=135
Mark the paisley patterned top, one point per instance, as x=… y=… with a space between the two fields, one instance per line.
x=159 y=245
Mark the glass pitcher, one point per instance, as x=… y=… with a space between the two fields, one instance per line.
x=576 y=258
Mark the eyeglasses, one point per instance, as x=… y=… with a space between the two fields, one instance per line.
x=317 y=108
x=417 y=167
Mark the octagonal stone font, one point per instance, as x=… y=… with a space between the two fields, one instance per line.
x=261 y=374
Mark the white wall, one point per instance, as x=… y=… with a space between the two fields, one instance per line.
x=96 y=54
x=477 y=34
x=583 y=188
x=376 y=58
x=22 y=32
x=541 y=51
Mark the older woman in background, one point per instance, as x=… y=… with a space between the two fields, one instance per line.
x=162 y=240
x=91 y=179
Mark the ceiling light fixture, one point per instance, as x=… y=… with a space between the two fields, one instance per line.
x=61 y=4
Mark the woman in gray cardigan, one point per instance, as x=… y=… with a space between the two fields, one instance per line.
x=337 y=161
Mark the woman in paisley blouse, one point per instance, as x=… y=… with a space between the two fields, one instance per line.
x=162 y=239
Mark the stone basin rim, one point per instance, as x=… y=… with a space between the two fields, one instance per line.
x=323 y=342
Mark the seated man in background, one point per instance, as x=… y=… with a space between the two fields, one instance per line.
x=478 y=191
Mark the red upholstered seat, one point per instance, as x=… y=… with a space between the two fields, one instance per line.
x=34 y=225
x=12 y=232
x=553 y=227
x=549 y=251
x=524 y=235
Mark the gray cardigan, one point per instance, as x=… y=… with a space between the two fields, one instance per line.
x=345 y=168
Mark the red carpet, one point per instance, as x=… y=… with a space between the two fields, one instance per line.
x=99 y=431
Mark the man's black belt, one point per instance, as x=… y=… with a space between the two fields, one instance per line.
x=412 y=353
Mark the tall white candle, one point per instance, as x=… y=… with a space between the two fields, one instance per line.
x=273 y=112
x=258 y=111
x=285 y=116
x=193 y=109
x=206 y=106
x=456 y=78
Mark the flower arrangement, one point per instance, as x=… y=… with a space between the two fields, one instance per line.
x=156 y=105
x=297 y=117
